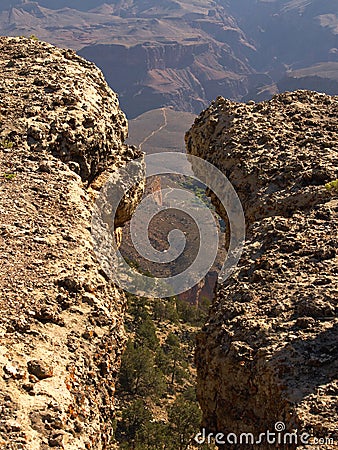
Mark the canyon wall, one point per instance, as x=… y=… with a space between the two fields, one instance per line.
x=320 y=77
x=184 y=75
x=184 y=54
x=268 y=352
x=61 y=327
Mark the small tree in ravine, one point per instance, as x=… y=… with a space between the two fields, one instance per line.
x=137 y=309
x=175 y=358
x=146 y=334
x=184 y=419
x=138 y=374
x=159 y=409
x=153 y=436
x=134 y=419
x=165 y=310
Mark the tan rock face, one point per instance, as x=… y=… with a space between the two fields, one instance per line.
x=277 y=154
x=268 y=352
x=61 y=324
x=64 y=106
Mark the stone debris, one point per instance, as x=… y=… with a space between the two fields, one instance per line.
x=40 y=369
x=12 y=370
x=268 y=352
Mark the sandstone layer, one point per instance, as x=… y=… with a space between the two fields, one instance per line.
x=268 y=352
x=61 y=325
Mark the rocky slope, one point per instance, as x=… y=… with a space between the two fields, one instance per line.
x=268 y=352
x=61 y=326
x=160 y=130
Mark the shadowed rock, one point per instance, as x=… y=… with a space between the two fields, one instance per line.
x=268 y=352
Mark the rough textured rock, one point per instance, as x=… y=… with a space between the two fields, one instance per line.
x=68 y=110
x=61 y=323
x=268 y=352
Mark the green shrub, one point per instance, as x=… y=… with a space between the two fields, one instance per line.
x=146 y=334
x=6 y=143
x=138 y=373
x=9 y=176
x=332 y=186
x=184 y=419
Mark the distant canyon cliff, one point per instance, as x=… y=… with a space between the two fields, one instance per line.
x=184 y=54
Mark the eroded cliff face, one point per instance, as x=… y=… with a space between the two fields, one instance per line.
x=320 y=77
x=268 y=352
x=184 y=75
x=61 y=325
x=249 y=45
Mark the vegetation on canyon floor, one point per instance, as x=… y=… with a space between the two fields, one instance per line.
x=156 y=397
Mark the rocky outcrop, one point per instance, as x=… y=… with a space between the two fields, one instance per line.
x=61 y=326
x=268 y=352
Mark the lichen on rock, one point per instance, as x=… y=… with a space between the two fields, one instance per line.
x=268 y=351
x=61 y=134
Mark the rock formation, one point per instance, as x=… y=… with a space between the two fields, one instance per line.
x=61 y=326
x=154 y=53
x=268 y=352
x=184 y=75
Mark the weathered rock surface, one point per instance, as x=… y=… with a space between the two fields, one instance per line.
x=268 y=352
x=61 y=324
x=59 y=107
